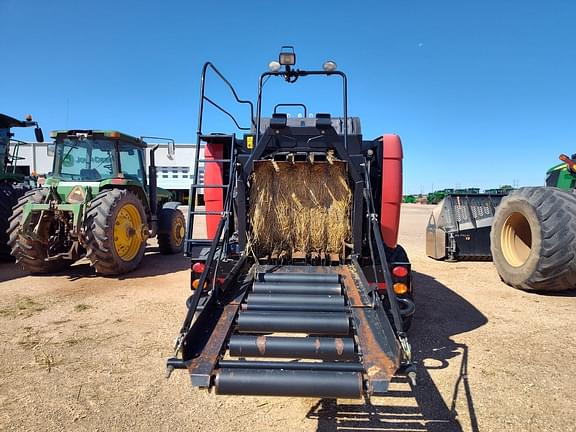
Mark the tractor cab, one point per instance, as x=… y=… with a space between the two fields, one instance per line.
x=98 y=156
x=8 y=156
x=14 y=180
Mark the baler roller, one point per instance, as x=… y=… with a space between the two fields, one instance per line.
x=278 y=382
x=288 y=302
x=321 y=348
x=291 y=365
x=289 y=307
x=292 y=277
x=297 y=288
x=333 y=300
x=326 y=323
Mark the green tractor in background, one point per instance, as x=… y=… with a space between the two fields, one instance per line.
x=533 y=237
x=98 y=202
x=13 y=182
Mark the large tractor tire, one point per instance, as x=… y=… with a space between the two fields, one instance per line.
x=8 y=198
x=116 y=231
x=171 y=231
x=30 y=252
x=533 y=239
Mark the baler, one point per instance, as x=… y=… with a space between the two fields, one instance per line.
x=300 y=288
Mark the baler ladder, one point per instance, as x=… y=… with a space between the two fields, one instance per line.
x=195 y=246
x=225 y=140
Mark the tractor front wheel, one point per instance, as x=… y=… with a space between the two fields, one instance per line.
x=533 y=239
x=115 y=231
x=171 y=232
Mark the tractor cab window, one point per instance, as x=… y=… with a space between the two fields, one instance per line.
x=131 y=162
x=86 y=160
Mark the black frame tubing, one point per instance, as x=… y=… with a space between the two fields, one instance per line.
x=296 y=74
x=291 y=105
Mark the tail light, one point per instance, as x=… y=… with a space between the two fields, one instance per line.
x=198 y=267
x=196 y=282
x=400 y=288
x=400 y=271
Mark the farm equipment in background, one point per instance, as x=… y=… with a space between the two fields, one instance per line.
x=437 y=196
x=303 y=262
x=533 y=238
x=13 y=181
x=459 y=227
x=97 y=202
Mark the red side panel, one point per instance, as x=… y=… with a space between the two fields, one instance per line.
x=213 y=197
x=391 y=189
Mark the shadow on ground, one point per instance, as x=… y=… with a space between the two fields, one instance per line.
x=9 y=271
x=153 y=264
x=441 y=314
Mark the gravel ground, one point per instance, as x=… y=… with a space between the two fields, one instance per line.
x=81 y=352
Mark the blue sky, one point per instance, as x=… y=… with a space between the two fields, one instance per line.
x=482 y=93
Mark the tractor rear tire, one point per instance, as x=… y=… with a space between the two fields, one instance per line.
x=533 y=239
x=9 y=195
x=30 y=253
x=116 y=231
x=171 y=231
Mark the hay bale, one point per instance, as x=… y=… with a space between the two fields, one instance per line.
x=299 y=207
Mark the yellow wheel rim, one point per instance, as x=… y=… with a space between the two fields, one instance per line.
x=128 y=232
x=516 y=240
x=178 y=231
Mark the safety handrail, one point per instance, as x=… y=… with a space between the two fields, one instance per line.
x=203 y=97
x=301 y=105
x=293 y=75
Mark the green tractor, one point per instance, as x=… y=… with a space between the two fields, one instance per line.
x=533 y=237
x=98 y=202
x=437 y=196
x=13 y=182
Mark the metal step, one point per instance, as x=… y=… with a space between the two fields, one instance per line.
x=214 y=160
x=209 y=186
x=205 y=213
x=217 y=138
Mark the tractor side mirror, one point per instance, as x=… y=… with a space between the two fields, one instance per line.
x=38 y=133
x=171 y=149
x=50 y=149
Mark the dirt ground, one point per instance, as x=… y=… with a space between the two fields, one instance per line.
x=81 y=352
